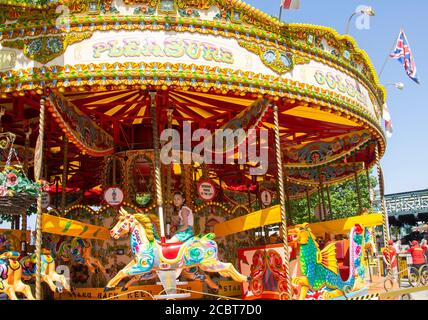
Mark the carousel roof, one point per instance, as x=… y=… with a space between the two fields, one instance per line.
x=97 y=82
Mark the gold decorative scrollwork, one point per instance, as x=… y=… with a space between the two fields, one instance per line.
x=6 y=139
x=277 y=60
x=150 y=3
x=200 y=4
x=45 y=49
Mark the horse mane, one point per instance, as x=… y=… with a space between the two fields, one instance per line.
x=156 y=225
x=147 y=223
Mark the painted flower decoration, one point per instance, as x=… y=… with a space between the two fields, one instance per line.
x=11 y=179
x=358 y=229
x=3 y=191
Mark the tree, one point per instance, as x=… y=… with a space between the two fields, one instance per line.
x=8 y=218
x=344 y=201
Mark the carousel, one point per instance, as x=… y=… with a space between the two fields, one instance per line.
x=88 y=89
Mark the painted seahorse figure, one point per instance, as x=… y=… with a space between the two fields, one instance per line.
x=320 y=269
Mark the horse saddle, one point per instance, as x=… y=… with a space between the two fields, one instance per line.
x=170 y=250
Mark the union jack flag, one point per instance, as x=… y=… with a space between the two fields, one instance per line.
x=403 y=53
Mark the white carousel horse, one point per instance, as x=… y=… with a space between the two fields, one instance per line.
x=151 y=255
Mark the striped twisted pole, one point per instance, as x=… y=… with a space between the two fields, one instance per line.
x=158 y=177
x=37 y=174
x=385 y=223
x=64 y=175
x=282 y=202
x=24 y=213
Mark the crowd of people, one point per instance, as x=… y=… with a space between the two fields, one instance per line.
x=418 y=251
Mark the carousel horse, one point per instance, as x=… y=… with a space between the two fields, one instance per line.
x=7 y=289
x=11 y=276
x=48 y=272
x=150 y=255
x=80 y=251
x=320 y=269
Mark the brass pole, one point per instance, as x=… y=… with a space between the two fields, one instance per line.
x=27 y=143
x=308 y=202
x=282 y=202
x=158 y=178
x=114 y=168
x=114 y=172
x=384 y=212
x=37 y=174
x=24 y=214
x=329 y=201
x=357 y=187
x=188 y=182
x=287 y=196
x=64 y=174
x=322 y=196
x=169 y=176
x=319 y=203
x=369 y=186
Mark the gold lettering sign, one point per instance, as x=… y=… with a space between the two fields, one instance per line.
x=230 y=288
x=133 y=293
x=171 y=47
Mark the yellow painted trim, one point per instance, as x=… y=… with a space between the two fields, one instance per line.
x=272 y=215
x=57 y=225
x=201 y=103
x=114 y=110
x=113 y=98
x=314 y=114
x=239 y=101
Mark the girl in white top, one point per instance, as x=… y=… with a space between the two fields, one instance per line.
x=185 y=215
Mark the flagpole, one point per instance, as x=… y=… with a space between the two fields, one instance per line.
x=280 y=13
x=388 y=57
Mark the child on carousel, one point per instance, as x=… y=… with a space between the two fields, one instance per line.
x=185 y=216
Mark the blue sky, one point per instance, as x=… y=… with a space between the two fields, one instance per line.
x=405 y=163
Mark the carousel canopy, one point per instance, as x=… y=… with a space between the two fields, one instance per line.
x=212 y=63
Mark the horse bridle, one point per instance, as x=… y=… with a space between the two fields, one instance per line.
x=117 y=233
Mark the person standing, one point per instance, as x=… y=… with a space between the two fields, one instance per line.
x=392 y=258
x=418 y=255
x=424 y=247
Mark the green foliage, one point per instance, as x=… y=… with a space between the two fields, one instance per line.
x=8 y=218
x=15 y=181
x=344 y=201
x=33 y=3
x=12 y=181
